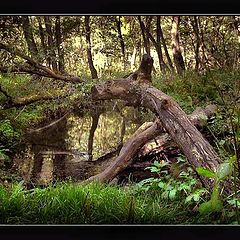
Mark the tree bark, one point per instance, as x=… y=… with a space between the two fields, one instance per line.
x=122 y=44
x=36 y=67
x=51 y=48
x=177 y=55
x=162 y=64
x=28 y=34
x=164 y=44
x=173 y=119
x=145 y=37
x=126 y=154
x=89 y=53
x=198 y=40
x=60 y=50
x=157 y=45
x=42 y=38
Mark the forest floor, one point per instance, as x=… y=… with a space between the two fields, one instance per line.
x=68 y=203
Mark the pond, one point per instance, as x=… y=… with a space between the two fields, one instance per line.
x=51 y=153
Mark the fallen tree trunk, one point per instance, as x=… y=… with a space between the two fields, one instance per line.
x=136 y=145
x=173 y=119
x=127 y=153
x=198 y=117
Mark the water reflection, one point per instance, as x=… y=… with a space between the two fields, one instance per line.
x=50 y=154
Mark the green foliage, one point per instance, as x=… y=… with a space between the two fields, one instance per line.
x=95 y=203
x=213 y=205
x=8 y=134
x=223 y=171
x=199 y=89
x=205 y=172
x=170 y=188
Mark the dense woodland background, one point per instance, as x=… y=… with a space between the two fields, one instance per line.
x=49 y=64
x=101 y=45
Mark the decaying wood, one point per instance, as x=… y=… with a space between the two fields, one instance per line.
x=126 y=154
x=78 y=169
x=36 y=67
x=173 y=119
x=198 y=117
x=160 y=142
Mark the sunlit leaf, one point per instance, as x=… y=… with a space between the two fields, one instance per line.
x=205 y=172
x=224 y=170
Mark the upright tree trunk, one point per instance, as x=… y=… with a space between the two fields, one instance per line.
x=28 y=34
x=58 y=43
x=89 y=53
x=42 y=38
x=118 y=22
x=198 y=40
x=51 y=53
x=236 y=24
x=177 y=55
x=162 y=64
x=145 y=37
x=164 y=44
x=202 y=46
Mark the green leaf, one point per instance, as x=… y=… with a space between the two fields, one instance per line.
x=210 y=206
x=224 y=170
x=213 y=205
x=172 y=194
x=189 y=198
x=164 y=195
x=205 y=172
x=196 y=197
x=161 y=185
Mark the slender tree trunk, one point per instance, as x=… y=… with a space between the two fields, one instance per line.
x=144 y=36
x=156 y=43
x=120 y=37
x=95 y=118
x=58 y=43
x=177 y=55
x=164 y=45
x=162 y=64
x=51 y=53
x=236 y=24
x=89 y=53
x=195 y=26
x=42 y=38
x=202 y=46
x=28 y=34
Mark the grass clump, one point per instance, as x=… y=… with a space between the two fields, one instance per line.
x=95 y=203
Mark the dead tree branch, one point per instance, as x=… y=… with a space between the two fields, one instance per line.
x=38 y=68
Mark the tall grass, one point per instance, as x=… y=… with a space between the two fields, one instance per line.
x=68 y=203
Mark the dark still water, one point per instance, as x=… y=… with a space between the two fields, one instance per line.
x=58 y=152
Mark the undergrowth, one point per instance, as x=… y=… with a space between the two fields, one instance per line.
x=68 y=203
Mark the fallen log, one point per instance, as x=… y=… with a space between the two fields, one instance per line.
x=174 y=120
x=127 y=153
x=199 y=117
